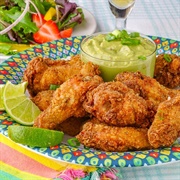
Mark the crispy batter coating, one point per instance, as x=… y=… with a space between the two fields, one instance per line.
x=70 y=126
x=43 y=99
x=110 y=138
x=148 y=88
x=116 y=104
x=168 y=73
x=166 y=125
x=42 y=72
x=67 y=101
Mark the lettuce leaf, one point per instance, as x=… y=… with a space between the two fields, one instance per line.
x=71 y=14
x=42 y=6
x=23 y=30
x=72 y=20
x=6 y=49
x=26 y=24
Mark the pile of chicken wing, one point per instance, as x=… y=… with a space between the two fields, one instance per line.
x=132 y=112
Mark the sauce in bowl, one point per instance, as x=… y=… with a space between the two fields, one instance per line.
x=114 y=57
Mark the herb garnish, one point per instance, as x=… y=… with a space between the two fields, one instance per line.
x=73 y=142
x=167 y=58
x=124 y=37
x=142 y=57
x=54 y=86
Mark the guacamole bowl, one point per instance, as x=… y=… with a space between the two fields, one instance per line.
x=119 y=51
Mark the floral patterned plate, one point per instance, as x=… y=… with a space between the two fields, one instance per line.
x=12 y=69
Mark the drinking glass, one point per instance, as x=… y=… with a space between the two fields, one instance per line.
x=121 y=9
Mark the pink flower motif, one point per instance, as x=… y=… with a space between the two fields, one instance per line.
x=65 y=177
x=75 y=173
x=109 y=174
x=71 y=174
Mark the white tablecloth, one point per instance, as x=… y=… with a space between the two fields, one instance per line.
x=151 y=17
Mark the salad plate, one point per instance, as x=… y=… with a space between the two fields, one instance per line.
x=3 y=57
x=12 y=69
x=87 y=27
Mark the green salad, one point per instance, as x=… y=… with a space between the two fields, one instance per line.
x=31 y=22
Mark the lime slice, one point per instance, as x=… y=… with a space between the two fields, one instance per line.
x=1 y=97
x=18 y=105
x=35 y=137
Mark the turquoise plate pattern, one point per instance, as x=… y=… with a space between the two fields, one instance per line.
x=12 y=69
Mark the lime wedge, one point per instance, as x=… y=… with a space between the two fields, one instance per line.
x=18 y=105
x=1 y=97
x=35 y=137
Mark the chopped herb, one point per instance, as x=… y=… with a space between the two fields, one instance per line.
x=85 y=147
x=130 y=41
x=110 y=37
x=124 y=34
x=167 y=58
x=53 y=87
x=142 y=57
x=117 y=33
x=134 y=34
x=124 y=37
x=73 y=142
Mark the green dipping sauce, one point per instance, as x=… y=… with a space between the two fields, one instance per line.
x=114 y=57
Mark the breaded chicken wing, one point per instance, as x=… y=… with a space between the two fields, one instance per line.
x=70 y=126
x=43 y=72
x=43 y=99
x=116 y=104
x=166 y=125
x=148 y=88
x=67 y=101
x=110 y=138
x=168 y=73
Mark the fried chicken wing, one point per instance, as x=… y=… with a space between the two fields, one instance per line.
x=67 y=101
x=100 y=136
x=70 y=126
x=43 y=99
x=42 y=72
x=116 y=104
x=147 y=87
x=166 y=125
x=168 y=73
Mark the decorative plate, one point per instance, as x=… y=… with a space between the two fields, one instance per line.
x=12 y=69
